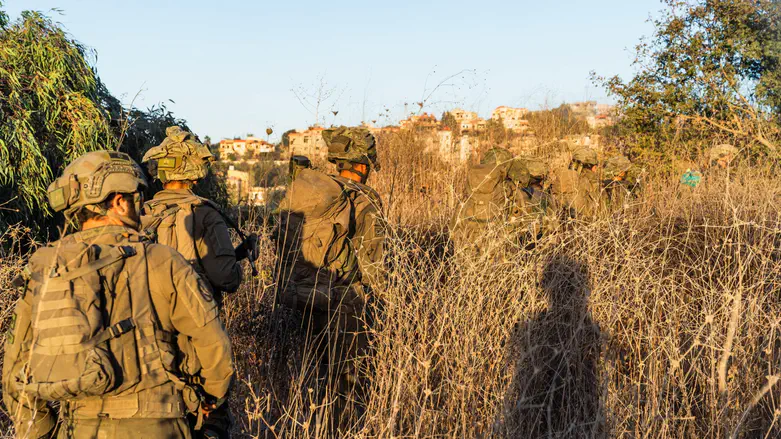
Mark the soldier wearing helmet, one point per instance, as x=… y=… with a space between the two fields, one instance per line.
x=196 y=228
x=96 y=325
x=577 y=188
x=192 y=225
x=540 y=209
x=330 y=244
x=492 y=203
x=619 y=184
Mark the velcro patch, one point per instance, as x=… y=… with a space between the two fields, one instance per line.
x=166 y=163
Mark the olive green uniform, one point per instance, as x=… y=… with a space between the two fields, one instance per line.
x=207 y=243
x=577 y=192
x=182 y=304
x=330 y=242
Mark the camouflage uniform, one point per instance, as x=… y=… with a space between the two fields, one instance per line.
x=577 y=189
x=180 y=219
x=102 y=278
x=330 y=242
x=492 y=200
x=542 y=207
x=617 y=188
x=196 y=228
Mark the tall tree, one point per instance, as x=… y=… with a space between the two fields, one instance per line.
x=710 y=70
x=49 y=112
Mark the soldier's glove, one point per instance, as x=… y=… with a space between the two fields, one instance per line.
x=248 y=248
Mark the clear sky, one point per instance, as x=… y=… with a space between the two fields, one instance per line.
x=233 y=67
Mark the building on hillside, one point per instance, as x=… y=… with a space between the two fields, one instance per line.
x=238 y=184
x=463 y=115
x=584 y=108
x=308 y=143
x=244 y=148
x=473 y=125
x=422 y=121
x=512 y=118
x=596 y=115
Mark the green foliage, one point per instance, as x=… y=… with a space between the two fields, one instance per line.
x=265 y=173
x=49 y=113
x=142 y=130
x=496 y=131
x=710 y=72
x=53 y=108
x=449 y=121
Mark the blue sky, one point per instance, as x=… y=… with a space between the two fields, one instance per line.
x=234 y=67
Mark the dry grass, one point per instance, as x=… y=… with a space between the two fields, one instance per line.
x=659 y=320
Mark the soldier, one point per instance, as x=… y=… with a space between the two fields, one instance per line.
x=543 y=204
x=96 y=325
x=193 y=225
x=196 y=228
x=577 y=188
x=330 y=243
x=491 y=197
x=617 y=189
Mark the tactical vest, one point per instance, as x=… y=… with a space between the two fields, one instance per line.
x=96 y=344
x=173 y=224
x=317 y=225
x=487 y=199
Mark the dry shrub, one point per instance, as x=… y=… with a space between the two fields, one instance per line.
x=658 y=320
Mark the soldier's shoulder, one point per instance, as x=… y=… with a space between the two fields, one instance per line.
x=158 y=254
x=311 y=190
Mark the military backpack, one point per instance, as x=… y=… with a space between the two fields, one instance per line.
x=96 y=340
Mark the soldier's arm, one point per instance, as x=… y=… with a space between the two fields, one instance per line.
x=215 y=248
x=193 y=312
x=369 y=244
x=21 y=407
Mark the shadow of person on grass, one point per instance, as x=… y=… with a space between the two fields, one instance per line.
x=555 y=390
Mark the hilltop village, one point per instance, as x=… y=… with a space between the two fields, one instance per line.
x=253 y=166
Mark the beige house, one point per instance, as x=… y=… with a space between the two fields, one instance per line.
x=422 y=121
x=463 y=115
x=242 y=148
x=473 y=125
x=308 y=143
x=514 y=119
x=238 y=184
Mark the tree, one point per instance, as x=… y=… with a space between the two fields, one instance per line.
x=449 y=121
x=55 y=108
x=51 y=113
x=554 y=124
x=710 y=70
x=286 y=138
x=496 y=131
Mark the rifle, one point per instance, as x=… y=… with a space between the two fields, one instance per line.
x=232 y=224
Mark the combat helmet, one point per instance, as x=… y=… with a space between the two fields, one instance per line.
x=721 y=151
x=615 y=166
x=585 y=156
x=351 y=145
x=538 y=170
x=92 y=178
x=496 y=155
x=181 y=156
x=518 y=173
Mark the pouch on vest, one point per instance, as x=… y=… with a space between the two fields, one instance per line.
x=487 y=198
x=316 y=224
x=70 y=355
